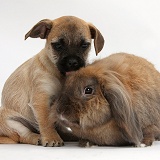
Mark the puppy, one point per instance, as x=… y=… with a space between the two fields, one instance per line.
x=114 y=101
x=30 y=91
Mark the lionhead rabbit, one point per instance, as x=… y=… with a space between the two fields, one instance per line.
x=114 y=101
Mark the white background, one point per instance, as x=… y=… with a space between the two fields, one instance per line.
x=131 y=26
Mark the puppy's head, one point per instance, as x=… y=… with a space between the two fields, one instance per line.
x=68 y=41
x=92 y=97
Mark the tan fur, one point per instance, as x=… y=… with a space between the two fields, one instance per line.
x=29 y=91
x=124 y=107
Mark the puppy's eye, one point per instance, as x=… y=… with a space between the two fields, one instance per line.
x=88 y=90
x=85 y=45
x=57 y=46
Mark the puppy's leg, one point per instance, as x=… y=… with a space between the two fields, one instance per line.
x=41 y=109
x=7 y=140
x=25 y=134
x=13 y=130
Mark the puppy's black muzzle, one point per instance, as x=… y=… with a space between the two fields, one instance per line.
x=70 y=63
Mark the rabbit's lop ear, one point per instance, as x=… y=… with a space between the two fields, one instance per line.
x=121 y=107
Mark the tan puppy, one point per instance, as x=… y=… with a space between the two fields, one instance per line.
x=114 y=101
x=31 y=89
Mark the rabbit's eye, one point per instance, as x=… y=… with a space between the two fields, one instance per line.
x=88 y=90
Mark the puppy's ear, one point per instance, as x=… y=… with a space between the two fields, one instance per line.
x=98 y=38
x=121 y=107
x=41 y=29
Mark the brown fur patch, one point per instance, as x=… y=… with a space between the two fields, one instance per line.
x=124 y=101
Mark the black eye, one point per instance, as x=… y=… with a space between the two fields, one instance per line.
x=88 y=90
x=57 y=46
x=85 y=45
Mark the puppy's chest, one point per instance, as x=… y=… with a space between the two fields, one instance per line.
x=51 y=85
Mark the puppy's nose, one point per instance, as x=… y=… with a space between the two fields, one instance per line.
x=72 y=62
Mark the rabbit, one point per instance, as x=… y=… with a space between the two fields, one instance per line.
x=114 y=101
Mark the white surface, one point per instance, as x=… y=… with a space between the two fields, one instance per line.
x=131 y=26
x=71 y=151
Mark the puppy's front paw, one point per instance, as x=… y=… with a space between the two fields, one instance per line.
x=31 y=138
x=52 y=141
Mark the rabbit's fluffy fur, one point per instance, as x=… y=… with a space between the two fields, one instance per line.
x=114 y=101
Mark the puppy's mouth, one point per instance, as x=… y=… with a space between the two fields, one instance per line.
x=69 y=64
